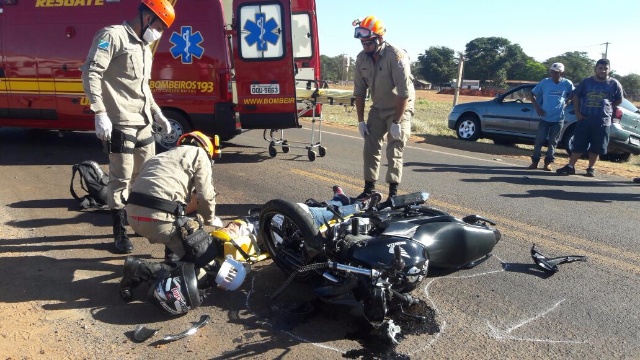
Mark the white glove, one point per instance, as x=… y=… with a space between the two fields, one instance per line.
x=103 y=126
x=163 y=123
x=395 y=131
x=364 y=129
x=217 y=222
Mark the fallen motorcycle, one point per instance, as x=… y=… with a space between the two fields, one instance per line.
x=371 y=261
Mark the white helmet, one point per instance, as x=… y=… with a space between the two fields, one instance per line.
x=231 y=274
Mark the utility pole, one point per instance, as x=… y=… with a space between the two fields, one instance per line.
x=459 y=81
x=606 y=49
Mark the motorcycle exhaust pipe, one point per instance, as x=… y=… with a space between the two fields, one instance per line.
x=372 y=273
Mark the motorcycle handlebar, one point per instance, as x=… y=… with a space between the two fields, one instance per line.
x=372 y=273
x=405 y=299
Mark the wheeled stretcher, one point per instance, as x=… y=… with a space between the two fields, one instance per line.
x=309 y=103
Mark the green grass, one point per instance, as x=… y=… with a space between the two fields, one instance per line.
x=430 y=117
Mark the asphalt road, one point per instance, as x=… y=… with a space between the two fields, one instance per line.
x=59 y=289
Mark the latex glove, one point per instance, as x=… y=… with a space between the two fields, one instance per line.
x=217 y=222
x=103 y=126
x=163 y=123
x=395 y=131
x=364 y=129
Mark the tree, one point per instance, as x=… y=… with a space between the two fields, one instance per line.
x=330 y=67
x=485 y=56
x=631 y=85
x=438 y=65
x=577 y=65
x=416 y=70
x=531 y=70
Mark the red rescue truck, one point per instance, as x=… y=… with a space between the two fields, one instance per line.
x=223 y=66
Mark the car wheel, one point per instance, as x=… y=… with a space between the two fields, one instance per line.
x=569 y=145
x=179 y=126
x=616 y=157
x=468 y=128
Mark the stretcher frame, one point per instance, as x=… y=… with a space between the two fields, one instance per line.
x=306 y=104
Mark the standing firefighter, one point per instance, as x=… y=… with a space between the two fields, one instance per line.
x=115 y=78
x=385 y=70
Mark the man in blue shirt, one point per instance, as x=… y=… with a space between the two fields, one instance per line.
x=593 y=101
x=549 y=98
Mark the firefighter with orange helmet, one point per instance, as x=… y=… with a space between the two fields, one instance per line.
x=156 y=210
x=385 y=71
x=166 y=183
x=115 y=79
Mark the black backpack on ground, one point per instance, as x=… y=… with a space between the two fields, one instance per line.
x=92 y=180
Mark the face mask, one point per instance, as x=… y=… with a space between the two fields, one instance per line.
x=150 y=35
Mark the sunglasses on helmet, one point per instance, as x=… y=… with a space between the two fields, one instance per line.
x=363 y=33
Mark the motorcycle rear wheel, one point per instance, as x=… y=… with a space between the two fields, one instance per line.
x=290 y=236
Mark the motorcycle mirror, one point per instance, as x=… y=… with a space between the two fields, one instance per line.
x=142 y=333
x=204 y=320
x=551 y=264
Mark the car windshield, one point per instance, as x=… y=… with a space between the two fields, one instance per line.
x=628 y=105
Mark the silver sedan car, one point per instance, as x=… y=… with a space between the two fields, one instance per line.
x=510 y=118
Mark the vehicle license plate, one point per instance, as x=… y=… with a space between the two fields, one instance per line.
x=634 y=141
x=265 y=89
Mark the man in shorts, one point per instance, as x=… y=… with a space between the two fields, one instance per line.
x=593 y=101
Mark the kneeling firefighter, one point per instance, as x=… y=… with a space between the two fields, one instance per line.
x=156 y=210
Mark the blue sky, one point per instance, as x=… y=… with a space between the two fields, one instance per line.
x=542 y=28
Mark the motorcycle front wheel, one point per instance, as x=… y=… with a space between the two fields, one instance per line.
x=290 y=236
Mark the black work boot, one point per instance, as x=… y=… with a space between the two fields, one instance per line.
x=121 y=240
x=137 y=271
x=393 y=189
x=369 y=188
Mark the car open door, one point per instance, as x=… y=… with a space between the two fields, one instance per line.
x=264 y=64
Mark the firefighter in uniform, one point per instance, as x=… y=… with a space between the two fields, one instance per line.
x=156 y=210
x=115 y=78
x=385 y=71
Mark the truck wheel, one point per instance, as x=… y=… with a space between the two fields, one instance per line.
x=179 y=125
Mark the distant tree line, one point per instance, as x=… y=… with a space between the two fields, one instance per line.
x=491 y=60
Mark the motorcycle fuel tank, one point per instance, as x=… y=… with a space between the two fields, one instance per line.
x=453 y=244
x=381 y=251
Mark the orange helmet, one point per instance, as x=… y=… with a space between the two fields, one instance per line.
x=163 y=9
x=368 y=27
x=199 y=139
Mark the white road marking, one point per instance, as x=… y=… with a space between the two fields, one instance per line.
x=266 y=322
x=506 y=334
x=430 y=150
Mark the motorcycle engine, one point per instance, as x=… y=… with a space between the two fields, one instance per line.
x=409 y=258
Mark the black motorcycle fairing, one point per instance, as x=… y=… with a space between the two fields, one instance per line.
x=454 y=244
